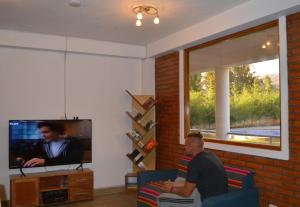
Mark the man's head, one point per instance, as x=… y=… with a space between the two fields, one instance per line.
x=51 y=130
x=194 y=143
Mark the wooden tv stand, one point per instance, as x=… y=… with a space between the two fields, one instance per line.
x=56 y=187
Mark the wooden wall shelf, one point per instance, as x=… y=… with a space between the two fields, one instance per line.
x=139 y=124
x=143 y=131
x=142 y=104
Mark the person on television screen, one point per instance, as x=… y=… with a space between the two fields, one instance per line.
x=55 y=148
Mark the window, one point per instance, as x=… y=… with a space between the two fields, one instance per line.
x=233 y=92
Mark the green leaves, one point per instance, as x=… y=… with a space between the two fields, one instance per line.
x=253 y=100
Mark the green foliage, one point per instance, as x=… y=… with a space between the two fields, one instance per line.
x=240 y=77
x=202 y=101
x=195 y=82
x=252 y=99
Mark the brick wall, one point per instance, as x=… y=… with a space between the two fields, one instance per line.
x=167 y=110
x=278 y=181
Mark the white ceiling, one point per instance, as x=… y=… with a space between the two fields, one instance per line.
x=107 y=20
x=236 y=51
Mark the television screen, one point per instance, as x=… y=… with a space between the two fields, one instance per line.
x=36 y=143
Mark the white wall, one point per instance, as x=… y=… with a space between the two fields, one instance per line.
x=32 y=87
x=59 y=43
x=96 y=89
x=148 y=76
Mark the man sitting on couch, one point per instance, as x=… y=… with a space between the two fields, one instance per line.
x=205 y=172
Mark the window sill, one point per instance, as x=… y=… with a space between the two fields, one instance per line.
x=244 y=144
x=273 y=152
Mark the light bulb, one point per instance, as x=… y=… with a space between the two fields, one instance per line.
x=139 y=15
x=263 y=46
x=138 y=23
x=156 y=20
x=268 y=43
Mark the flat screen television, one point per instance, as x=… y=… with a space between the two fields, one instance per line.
x=37 y=143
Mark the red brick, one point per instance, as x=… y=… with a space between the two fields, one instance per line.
x=254 y=166
x=266 y=174
x=294 y=201
x=283 y=191
x=247 y=158
x=288 y=179
x=272 y=182
x=283 y=164
x=237 y=163
x=297 y=195
x=265 y=161
x=273 y=169
x=231 y=155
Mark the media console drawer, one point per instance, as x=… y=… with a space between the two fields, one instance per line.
x=40 y=189
x=76 y=194
x=84 y=179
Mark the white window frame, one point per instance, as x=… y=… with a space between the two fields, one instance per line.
x=283 y=153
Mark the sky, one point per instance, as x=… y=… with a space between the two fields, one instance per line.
x=265 y=67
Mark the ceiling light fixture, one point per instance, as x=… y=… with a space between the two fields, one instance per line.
x=142 y=10
x=75 y=3
x=268 y=44
x=138 y=23
x=139 y=15
x=156 y=20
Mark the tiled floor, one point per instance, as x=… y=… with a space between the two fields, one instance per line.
x=124 y=199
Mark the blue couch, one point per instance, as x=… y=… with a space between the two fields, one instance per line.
x=242 y=192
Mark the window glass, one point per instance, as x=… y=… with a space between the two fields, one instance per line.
x=252 y=61
x=202 y=101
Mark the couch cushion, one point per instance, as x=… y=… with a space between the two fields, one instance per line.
x=148 y=194
x=238 y=178
x=182 y=166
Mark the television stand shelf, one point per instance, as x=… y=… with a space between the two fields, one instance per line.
x=48 y=188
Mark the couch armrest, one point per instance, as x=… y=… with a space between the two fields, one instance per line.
x=239 y=198
x=144 y=177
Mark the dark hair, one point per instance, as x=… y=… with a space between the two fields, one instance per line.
x=195 y=134
x=53 y=126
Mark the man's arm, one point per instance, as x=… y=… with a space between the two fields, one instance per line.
x=185 y=190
